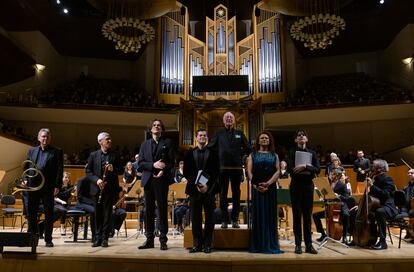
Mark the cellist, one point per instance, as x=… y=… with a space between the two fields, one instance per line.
x=339 y=185
x=382 y=188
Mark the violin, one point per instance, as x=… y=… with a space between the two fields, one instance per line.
x=121 y=201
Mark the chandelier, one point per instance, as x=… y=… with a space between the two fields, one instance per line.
x=123 y=27
x=317 y=30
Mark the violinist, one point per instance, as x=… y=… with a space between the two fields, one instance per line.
x=409 y=196
x=339 y=185
x=130 y=176
x=382 y=188
x=62 y=199
x=118 y=213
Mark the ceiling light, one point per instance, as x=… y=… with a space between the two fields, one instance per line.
x=408 y=60
x=381 y=2
x=65 y=10
x=39 y=67
x=58 y=2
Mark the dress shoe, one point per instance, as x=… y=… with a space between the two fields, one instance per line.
x=352 y=243
x=380 y=245
x=207 y=250
x=194 y=250
x=298 y=249
x=235 y=225
x=49 y=244
x=97 y=243
x=320 y=239
x=147 y=244
x=407 y=236
x=163 y=246
x=224 y=225
x=311 y=250
x=105 y=243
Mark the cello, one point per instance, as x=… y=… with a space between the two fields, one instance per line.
x=365 y=231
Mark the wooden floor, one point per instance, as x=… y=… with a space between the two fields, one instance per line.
x=123 y=255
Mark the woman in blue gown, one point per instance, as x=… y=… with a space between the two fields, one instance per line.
x=263 y=172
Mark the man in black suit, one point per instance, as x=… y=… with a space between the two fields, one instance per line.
x=362 y=166
x=49 y=160
x=231 y=144
x=156 y=161
x=383 y=188
x=201 y=158
x=102 y=171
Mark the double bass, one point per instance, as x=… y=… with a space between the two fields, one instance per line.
x=365 y=231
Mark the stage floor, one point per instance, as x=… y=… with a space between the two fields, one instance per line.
x=123 y=255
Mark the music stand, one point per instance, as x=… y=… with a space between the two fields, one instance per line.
x=135 y=192
x=328 y=195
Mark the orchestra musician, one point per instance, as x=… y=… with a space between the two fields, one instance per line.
x=102 y=171
x=62 y=199
x=301 y=191
x=409 y=196
x=49 y=160
x=362 y=166
x=342 y=190
x=118 y=213
x=382 y=188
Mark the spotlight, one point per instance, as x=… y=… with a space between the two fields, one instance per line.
x=58 y=2
x=382 y=2
x=257 y=12
x=65 y=10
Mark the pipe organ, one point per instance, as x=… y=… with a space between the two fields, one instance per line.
x=259 y=56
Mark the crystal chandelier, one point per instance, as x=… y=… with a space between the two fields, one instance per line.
x=317 y=30
x=123 y=27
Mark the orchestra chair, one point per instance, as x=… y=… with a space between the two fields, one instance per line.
x=10 y=212
x=400 y=221
x=75 y=215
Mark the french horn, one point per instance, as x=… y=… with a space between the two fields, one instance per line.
x=30 y=170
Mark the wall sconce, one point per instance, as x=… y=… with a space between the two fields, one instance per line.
x=39 y=67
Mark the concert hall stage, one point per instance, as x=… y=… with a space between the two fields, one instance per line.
x=123 y=255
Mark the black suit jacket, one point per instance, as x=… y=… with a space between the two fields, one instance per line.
x=383 y=189
x=94 y=172
x=165 y=151
x=191 y=169
x=364 y=164
x=53 y=169
x=231 y=149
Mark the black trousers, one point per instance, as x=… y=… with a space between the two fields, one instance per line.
x=48 y=200
x=234 y=176
x=197 y=202
x=117 y=218
x=301 y=196
x=89 y=208
x=103 y=214
x=156 y=191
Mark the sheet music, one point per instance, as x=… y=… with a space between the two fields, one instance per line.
x=202 y=178
x=302 y=157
